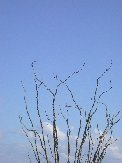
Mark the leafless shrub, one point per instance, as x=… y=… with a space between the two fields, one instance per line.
x=95 y=152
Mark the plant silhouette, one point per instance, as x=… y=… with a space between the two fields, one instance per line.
x=43 y=146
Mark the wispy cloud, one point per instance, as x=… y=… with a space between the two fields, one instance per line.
x=114 y=152
x=49 y=129
x=17 y=153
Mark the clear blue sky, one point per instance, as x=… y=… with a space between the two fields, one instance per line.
x=60 y=35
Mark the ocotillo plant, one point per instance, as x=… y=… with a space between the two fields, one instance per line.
x=86 y=148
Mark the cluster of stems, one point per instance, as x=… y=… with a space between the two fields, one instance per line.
x=41 y=144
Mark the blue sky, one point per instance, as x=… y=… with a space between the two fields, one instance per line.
x=60 y=36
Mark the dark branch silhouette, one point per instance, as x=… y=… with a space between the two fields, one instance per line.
x=42 y=145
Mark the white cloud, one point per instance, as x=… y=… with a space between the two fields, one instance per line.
x=115 y=150
x=17 y=153
x=48 y=128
